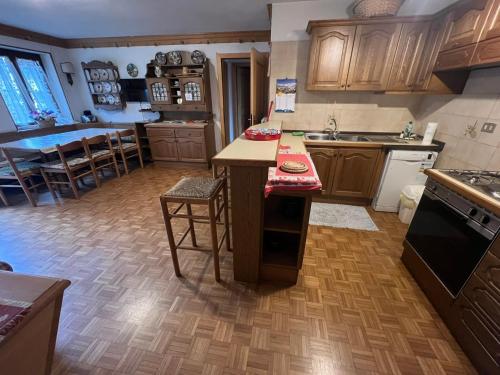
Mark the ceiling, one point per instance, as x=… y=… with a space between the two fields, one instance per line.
x=101 y=18
x=105 y=18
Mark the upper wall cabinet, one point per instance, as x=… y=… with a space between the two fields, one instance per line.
x=492 y=27
x=464 y=24
x=330 y=53
x=372 y=56
x=487 y=51
x=405 y=70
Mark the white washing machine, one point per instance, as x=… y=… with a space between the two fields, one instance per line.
x=401 y=168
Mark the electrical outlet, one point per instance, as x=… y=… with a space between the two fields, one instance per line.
x=488 y=127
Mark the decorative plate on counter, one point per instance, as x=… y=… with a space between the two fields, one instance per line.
x=132 y=70
x=107 y=87
x=98 y=87
x=101 y=99
x=110 y=99
x=103 y=74
x=294 y=167
x=174 y=58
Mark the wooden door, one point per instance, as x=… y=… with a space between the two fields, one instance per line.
x=329 y=57
x=163 y=148
x=372 y=56
x=192 y=90
x=258 y=86
x=190 y=149
x=324 y=161
x=355 y=172
x=409 y=53
x=464 y=24
x=429 y=55
x=492 y=27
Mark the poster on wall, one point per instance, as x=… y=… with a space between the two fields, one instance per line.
x=286 y=90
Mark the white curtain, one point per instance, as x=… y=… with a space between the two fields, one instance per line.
x=14 y=93
x=38 y=87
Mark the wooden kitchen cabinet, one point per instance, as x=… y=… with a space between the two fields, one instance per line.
x=191 y=149
x=330 y=54
x=191 y=142
x=372 y=57
x=354 y=172
x=164 y=149
x=348 y=174
x=409 y=54
x=324 y=160
x=487 y=51
x=464 y=24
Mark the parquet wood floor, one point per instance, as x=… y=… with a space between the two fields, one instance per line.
x=355 y=309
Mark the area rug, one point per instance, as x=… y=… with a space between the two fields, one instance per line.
x=341 y=216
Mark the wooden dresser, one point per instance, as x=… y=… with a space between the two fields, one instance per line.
x=28 y=348
x=190 y=142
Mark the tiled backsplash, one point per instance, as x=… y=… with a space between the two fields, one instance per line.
x=353 y=111
x=479 y=103
x=380 y=112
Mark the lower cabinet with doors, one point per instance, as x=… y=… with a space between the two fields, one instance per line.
x=192 y=143
x=348 y=174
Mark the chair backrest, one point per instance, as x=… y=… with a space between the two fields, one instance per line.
x=68 y=147
x=96 y=140
x=127 y=133
x=10 y=161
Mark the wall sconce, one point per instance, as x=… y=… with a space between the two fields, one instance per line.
x=67 y=67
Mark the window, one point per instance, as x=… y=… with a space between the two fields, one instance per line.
x=24 y=87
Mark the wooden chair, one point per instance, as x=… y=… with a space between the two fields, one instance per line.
x=21 y=173
x=199 y=191
x=74 y=167
x=100 y=151
x=128 y=150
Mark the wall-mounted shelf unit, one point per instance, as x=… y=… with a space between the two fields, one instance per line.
x=102 y=81
x=179 y=87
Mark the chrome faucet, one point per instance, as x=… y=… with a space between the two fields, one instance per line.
x=333 y=131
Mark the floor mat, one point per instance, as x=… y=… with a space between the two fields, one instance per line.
x=341 y=216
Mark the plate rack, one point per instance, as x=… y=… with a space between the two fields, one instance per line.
x=103 y=84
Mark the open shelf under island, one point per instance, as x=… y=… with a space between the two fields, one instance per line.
x=269 y=234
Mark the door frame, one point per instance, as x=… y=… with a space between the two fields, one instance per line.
x=221 y=86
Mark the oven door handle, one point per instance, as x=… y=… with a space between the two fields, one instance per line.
x=468 y=221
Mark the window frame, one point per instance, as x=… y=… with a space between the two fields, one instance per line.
x=13 y=52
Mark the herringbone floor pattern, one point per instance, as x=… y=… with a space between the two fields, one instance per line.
x=355 y=309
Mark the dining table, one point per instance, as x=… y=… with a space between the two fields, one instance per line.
x=46 y=144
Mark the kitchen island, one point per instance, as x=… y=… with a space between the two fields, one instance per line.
x=268 y=233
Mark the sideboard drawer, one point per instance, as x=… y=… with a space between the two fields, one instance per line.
x=189 y=133
x=159 y=132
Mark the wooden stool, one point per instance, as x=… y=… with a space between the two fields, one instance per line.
x=200 y=191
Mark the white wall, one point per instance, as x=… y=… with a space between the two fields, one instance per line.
x=290 y=19
x=140 y=56
x=59 y=55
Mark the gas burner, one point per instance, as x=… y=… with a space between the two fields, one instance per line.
x=485 y=181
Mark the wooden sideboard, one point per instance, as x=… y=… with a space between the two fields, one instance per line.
x=192 y=142
x=28 y=348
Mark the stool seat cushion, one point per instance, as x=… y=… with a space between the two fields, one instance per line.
x=195 y=187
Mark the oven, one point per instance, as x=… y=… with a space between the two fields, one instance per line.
x=450 y=235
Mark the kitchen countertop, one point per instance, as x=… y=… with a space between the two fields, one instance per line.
x=468 y=192
x=175 y=125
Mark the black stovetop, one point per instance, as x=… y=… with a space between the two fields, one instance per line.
x=487 y=182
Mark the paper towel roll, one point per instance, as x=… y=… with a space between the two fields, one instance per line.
x=429 y=133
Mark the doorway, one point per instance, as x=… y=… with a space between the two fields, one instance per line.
x=243 y=86
x=237 y=89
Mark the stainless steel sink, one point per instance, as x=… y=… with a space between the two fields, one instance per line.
x=320 y=136
x=351 y=138
x=338 y=137
x=386 y=139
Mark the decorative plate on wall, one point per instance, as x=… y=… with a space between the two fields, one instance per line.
x=132 y=70
x=161 y=58
x=174 y=57
x=197 y=57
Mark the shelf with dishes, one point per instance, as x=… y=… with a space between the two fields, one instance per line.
x=103 y=83
x=176 y=82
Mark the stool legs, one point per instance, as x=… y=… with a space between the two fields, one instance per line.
x=213 y=235
x=170 y=235
x=191 y=224
x=226 y=216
